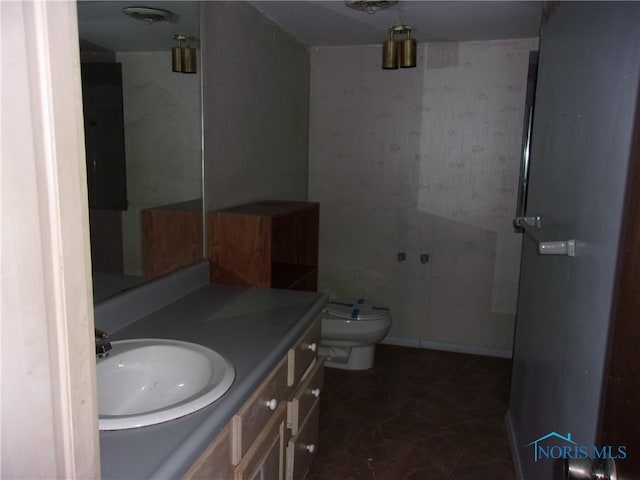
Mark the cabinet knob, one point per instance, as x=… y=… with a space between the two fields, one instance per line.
x=310 y=448
x=313 y=346
x=315 y=392
x=272 y=404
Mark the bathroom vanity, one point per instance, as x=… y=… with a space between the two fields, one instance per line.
x=266 y=425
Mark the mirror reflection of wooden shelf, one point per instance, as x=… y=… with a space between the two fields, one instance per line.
x=265 y=244
x=171 y=237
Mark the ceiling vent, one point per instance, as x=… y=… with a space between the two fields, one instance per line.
x=148 y=15
x=370 y=6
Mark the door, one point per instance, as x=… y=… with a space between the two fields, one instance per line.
x=583 y=133
x=621 y=393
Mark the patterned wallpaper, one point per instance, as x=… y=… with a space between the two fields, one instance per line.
x=422 y=161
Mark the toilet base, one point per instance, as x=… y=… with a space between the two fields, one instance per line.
x=348 y=358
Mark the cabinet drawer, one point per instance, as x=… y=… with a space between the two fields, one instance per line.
x=215 y=462
x=265 y=458
x=258 y=410
x=303 y=447
x=305 y=397
x=303 y=353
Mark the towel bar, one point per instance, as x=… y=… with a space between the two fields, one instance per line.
x=531 y=226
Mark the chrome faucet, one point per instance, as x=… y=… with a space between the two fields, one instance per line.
x=103 y=345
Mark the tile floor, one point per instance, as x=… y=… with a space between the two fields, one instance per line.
x=418 y=414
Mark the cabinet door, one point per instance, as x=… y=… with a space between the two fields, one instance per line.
x=304 y=353
x=305 y=397
x=303 y=447
x=265 y=458
x=259 y=411
x=215 y=462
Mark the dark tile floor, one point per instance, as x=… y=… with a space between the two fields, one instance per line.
x=418 y=414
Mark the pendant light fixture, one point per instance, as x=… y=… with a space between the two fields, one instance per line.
x=183 y=55
x=402 y=52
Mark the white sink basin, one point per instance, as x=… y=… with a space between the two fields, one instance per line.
x=148 y=381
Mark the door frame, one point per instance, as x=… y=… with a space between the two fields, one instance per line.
x=49 y=400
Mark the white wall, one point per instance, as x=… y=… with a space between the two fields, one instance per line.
x=162 y=123
x=585 y=105
x=256 y=104
x=422 y=160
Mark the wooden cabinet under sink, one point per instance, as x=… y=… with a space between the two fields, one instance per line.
x=274 y=435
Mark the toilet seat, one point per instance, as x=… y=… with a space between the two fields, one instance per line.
x=358 y=309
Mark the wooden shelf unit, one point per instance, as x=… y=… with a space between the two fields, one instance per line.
x=265 y=244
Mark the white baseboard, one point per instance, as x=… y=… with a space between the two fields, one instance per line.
x=449 y=347
x=513 y=445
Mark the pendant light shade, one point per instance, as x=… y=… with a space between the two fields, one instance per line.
x=408 y=53
x=189 y=60
x=176 y=59
x=390 y=54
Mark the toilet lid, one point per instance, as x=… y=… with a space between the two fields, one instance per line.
x=358 y=309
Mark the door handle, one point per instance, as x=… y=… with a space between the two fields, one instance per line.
x=590 y=469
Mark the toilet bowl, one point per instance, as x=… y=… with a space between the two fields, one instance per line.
x=350 y=331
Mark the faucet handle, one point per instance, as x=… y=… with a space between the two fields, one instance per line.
x=102 y=350
x=100 y=333
x=102 y=343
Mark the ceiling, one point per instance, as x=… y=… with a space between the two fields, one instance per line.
x=104 y=24
x=318 y=23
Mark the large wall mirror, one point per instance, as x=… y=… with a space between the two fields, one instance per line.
x=144 y=162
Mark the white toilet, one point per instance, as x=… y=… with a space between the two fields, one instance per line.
x=350 y=331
